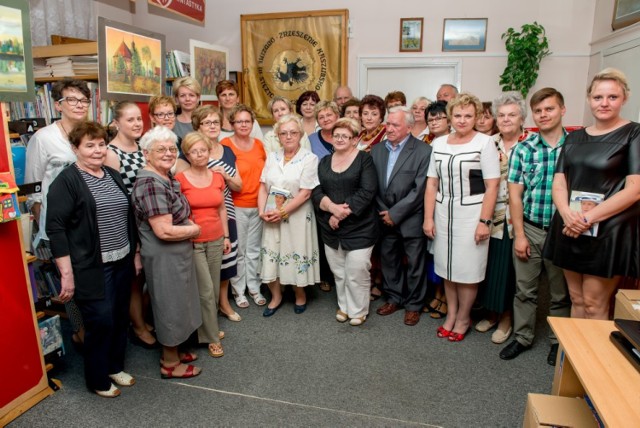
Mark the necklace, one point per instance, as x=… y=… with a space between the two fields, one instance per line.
x=288 y=158
x=63 y=130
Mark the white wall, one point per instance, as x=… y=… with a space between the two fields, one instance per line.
x=376 y=26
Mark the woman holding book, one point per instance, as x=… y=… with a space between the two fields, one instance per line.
x=126 y=157
x=163 y=217
x=289 y=232
x=204 y=190
x=186 y=91
x=94 y=243
x=228 y=99
x=348 y=220
x=250 y=158
x=601 y=160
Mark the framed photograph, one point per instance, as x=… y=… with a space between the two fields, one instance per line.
x=625 y=13
x=131 y=61
x=16 y=62
x=208 y=66
x=411 y=30
x=289 y=53
x=467 y=34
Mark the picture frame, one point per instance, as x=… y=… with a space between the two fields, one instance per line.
x=464 y=35
x=289 y=53
x=131 y=62
x=209 y=65
x=16 y=60
x=411 y=31
x=625 y=13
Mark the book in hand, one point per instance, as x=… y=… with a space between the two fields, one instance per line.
x=278 y=198
x=585 y=202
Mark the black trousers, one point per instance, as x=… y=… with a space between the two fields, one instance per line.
x=106 y=321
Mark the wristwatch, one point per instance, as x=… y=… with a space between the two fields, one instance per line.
x=486 y=222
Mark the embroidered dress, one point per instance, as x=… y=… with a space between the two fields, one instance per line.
x=461 y=169
x=290 y=248
x=130 y=163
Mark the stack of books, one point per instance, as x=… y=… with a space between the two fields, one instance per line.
x=67 y=66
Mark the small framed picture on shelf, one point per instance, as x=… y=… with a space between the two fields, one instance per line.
x=132 y=61
x=16 y=62
x=625 y=13
x=466 y=34
x=208 y=66
x=411 y=30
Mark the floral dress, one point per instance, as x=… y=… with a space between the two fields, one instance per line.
x=289 y=249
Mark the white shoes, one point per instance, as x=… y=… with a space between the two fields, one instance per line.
x=341 y=316
x=122 y=379
x=358 y=321
x=111 y=393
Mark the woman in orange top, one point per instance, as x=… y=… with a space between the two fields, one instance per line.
x=250 y=160
x=204 y=190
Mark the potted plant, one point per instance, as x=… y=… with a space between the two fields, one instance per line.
x=526 y=49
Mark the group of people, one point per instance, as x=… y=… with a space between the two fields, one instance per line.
x=436 y=207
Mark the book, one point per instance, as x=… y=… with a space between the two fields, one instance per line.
x=51 y=335
x=183 y=63
x=278 y=198
x=584 y=202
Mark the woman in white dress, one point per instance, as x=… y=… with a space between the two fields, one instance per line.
x=289 y=251
x=464 y=173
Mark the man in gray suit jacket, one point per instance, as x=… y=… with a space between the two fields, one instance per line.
x=402 y=162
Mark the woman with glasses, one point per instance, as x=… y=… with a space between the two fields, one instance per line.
x=48 y=153
x=165 y=229
x=162 y=112
x=207 y=120
x=420 y=129
x=186 y=91
x=279 y=107
x=289 y=251
x=228 y=99
x=204 y=190
x=250 y=159
x=347 y=218
x=126 y=157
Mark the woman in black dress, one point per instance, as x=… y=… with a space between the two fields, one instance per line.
x=601 y=162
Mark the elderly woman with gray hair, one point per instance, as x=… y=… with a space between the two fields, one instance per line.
x=510 y=112
x=279 y=107
x=165 y=229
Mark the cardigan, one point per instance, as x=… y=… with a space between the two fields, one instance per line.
x=72 y=227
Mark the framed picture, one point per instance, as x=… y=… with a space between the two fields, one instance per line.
x=289 y=53
x=16 y=62
x=131 y=61
x=208 y=66
x=625 y=13
x=411 y=30
x=467 y=34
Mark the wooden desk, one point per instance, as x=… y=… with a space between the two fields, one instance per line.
x=589 y=363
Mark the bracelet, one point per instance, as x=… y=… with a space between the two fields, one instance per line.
x=283 y=214
x=226 y=237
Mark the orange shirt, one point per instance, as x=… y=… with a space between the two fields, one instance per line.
x=249 y=164
x=205 y=202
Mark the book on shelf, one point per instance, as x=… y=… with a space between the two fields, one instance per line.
x=584 y=202
x=51 y=335
x=178 y=64
x=51 y=278
x=277 y=198
x=63 y=66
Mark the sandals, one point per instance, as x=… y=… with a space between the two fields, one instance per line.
x=215 y=350
x=442 y=332
x=167 y=372
x=112 y=392
x=123 y=379
x=375 y=294
x=188 y=357
x=325 y=286
x=258 y=299
x=439 y=310
x=241 y=301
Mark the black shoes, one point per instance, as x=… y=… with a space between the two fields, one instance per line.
x=512 y=350
x=553 y=355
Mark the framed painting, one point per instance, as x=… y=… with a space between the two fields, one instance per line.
x=625 y=13
x=209 y=65
x=131 y=61
x=289 y=53
x=411 y=30
x=466 y=34
x=16 y=62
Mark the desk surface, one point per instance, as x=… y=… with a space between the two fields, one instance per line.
x=612 y=383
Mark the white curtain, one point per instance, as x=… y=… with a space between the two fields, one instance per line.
x=71 y=18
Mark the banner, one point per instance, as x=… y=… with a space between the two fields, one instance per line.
x=289 y=53
x=193 y=9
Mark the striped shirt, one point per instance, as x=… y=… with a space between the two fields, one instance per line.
x=112 y=208
x=532 y=164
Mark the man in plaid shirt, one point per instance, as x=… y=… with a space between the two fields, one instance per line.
x=531 y=168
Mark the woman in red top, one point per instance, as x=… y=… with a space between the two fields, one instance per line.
x=250 y=160
x=204 y=190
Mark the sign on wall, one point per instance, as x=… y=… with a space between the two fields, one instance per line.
x=287 y=54
x=192 y=9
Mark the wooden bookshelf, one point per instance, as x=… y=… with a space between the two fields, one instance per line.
x=90 y=77
x=87 y=48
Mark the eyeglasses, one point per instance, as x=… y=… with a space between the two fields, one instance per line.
x=210 y=122
x=198 y=152
x=285 y=134
x=169 y=115
x=242 y=122
x=341 y=137
x=73 y=101
x=436 y=119
x=511 y=116
x=163 y=150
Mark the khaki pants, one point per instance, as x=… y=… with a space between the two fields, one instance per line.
x=207 y=257
x=353 y=282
